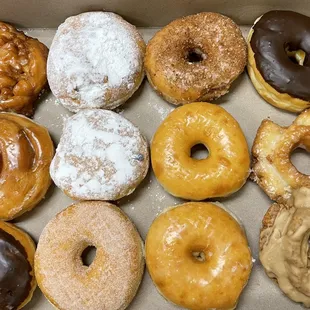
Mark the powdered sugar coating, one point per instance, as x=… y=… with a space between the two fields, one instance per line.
x=95 y=61
x=112 y=280
x=101 y=156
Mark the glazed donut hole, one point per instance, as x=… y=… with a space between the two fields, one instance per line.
x=299 y=157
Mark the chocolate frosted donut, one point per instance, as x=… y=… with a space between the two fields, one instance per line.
x=279 y=63
x=195 y=58
x=17 y=281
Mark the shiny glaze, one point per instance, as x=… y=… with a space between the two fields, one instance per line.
x=223 y=172
x=23 y=70
x=181 y=232
x=26 y=151
x=15 y=277
x=273 y=33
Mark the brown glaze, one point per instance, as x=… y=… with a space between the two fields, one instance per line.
x=15 y=277
x=22 y=70
x=274 y=34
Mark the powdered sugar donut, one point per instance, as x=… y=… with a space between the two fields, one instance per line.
x=95 y=61
x=101 y=156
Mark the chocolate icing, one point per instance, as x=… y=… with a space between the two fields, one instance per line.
x=273 y=34
x=15 y=280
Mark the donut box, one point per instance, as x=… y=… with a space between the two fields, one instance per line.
x=147 y=110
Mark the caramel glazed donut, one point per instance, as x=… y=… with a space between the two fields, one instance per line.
x=195 y=58
x=111 y=280
x=198 y=256
x=284 y=248
x=17 y=281
x=272 y=169
x=222 y=173
x=26 y=151
x=95 y=61
x=279 y=62
x=100 y=156
x=22 y=70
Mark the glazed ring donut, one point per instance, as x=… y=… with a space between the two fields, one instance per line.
x=22 y=70
x=26 y=151
x=111 y=280
x=198 y=256
x=277 y=64
x=100 y=156
x=222 y=173
x=95 y=61
x=17 y=281
x=284 y=246
x=272 y=169
x=195 y=58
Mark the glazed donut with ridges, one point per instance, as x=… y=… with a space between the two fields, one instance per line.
x=17 y=281
x=100 y=156
x=95 y=61
x=26 y=151
x=272 y=169
x=195 y=58
x=112 y=279
x=22 y=70
x=222 y=173
x=278 y=64
x=198 y=256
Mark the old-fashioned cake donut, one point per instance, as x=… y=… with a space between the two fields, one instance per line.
x=95 y=61
x=100 y=156
x=198 y=256
x=195 y=58
x=113 y=277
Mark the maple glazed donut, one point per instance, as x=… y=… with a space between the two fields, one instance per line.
x=272 y=168
x=195 y=58
x=101 y=156
x=26 y=151
x=22 y=70
x=279 y=62
x=111 y=280
x=17 y=281
x=222 y=173
x=284 y=248
x=95 y=61
x=198 y=256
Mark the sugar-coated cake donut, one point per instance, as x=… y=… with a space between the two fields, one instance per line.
x=22 y=70
x=222 y=173
x=26 y=152
x=284 y=248
x=111 y=280
x=198 y=256
x=17 y=280
x=100 y=156
x=272 y=168
x=195 y=58
x=278 y=64
x=95 y=61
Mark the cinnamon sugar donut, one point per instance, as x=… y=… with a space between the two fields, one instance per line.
x=101 y=156
x=95 y=61
x=195 y=58
x=272 y=168
x=22 y=70
x=198 y=256
x=26 y=151
x=111 y=280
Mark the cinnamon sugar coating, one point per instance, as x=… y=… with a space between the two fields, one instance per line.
x=195 y=58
